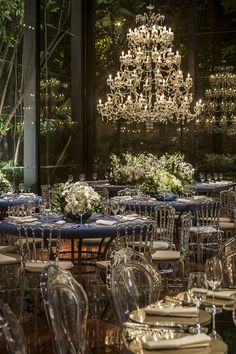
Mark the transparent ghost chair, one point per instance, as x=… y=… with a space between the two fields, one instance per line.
x=12 y=331
x=66 y=306
x=133 y=284
x=205 y=236
x=164 y=233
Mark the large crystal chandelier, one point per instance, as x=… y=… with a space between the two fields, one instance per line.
x=150 y=86
x=219 y=114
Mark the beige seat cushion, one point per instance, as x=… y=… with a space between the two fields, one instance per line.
x=30 y=240
x=225 y=219
x=102 y=264
x=8 y=259
x=202 y=229
x=7 y=249
x=160 y=245
x=226 y=226
x=166 y=256
x=37 y=266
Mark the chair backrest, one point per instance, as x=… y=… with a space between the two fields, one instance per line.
x=227 y=202
x=130 y=191
x=12 y=331
x=184 y=232
x=165 y=220
x=136 y=234
x=207 y=213
x=141 y=206
x=229 y=269
x=134 y=284
x=37 y=241
x=66 y=306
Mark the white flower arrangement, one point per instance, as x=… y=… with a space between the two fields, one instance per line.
x=167 y=174
x=77 y=197
x=4 y=184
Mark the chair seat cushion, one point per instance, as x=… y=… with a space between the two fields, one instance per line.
x=202 y=229
x=226 y=226
x=166 y=256
x=102 y=264
x=30 y=240
x=160 y=245
x=6 y=259
x=7 y=249
x=37 y=266
x=225 y=219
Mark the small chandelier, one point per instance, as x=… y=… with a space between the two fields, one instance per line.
x=150 y=87
x=219 y=114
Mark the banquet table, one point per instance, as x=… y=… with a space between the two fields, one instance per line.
x=10 y=200
x=70 y=230
x=213 y=187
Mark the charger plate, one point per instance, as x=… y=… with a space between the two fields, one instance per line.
x=140 y=316
x=216 y=347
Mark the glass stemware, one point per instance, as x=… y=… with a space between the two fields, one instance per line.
x=214 y=276
x=70 y=179
x=202 y=177
x=106 y=175
x=21 y=187
x=197 y=292
x=115 y=207
x=95 y=176
x=82 y=177
x=208 y=177
x=81 y=213
x=220 y=176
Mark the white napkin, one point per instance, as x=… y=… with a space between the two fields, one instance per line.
x=131 y=217
x=106 y=222
x=224 y=294
x=194 y=341
x=60 y=222
x=183 y=200
x=27 y=195
x=22 y=219
x=177 y=311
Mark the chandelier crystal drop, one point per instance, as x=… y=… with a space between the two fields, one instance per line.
x=150 y=86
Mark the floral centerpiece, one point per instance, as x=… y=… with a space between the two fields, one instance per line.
x=78 y=197
x=165 y=175
x=4 y=184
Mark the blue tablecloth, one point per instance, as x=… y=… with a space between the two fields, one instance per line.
x=15 y=199
x=70 y=230
x=213 y=187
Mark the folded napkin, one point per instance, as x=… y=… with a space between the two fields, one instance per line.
x=22 y=219
x=224 y=294
x=131 y=217
x=106 y=222
x=26 y=195
x=183 y=200
x=60 y=222
x=177 y=311
x=195 y=341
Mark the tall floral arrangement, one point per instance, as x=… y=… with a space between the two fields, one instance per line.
x=77 y=197
x=167 y=174
x=4 y=183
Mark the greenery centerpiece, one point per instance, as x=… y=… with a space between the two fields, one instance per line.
x=77 y=198
x=4 y=184
x=169 y=174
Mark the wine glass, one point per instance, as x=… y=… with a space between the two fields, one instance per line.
x=220 y=175
x=106 y=175
x=115 y=207
x=70 y=179
x=214 y=276
x=81 y=213
x=215 y=176
x=95 y=176
x=202 y=177
x=208 y=177
x=21 y=187
x=82 y=177
x=197 y=292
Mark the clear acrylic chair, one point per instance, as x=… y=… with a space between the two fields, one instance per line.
x=164 y=233
x=12 y=331
x=66 y=306
x=229 y=270
x=133 y=285
x=205 y=236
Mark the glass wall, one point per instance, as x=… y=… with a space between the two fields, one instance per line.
x=205 y=37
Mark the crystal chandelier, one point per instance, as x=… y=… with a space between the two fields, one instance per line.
x=219 y=114
x=150 y=87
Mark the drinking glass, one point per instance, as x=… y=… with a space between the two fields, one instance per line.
x=220 y=176
x=106 y=174
x=202 y=177
x=82 y=177
x=95 y=176
x=115 y=207
x=81 y=213
x=214 y=276
x=21 y=187
x=70 y=179
x=215 y=176
x=208 y=177
x=197 y=291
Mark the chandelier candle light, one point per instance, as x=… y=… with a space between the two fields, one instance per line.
x=150 y=87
